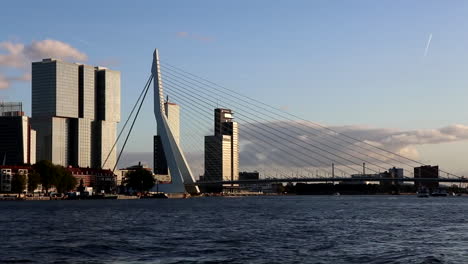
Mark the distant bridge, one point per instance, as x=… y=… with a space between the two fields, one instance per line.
x=336 y=179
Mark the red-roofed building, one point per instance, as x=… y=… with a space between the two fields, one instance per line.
x=96 y=178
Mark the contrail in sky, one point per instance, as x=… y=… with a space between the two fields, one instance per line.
x=427 y=45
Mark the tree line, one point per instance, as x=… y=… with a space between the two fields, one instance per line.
x=46 y=173
x=49 y=175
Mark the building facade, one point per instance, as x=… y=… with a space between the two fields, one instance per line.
x=17 y=139
x=426 y=172
x=392 y=173
x=8 y=172
x=75 y=111
x=99 y=179
x=222 y=149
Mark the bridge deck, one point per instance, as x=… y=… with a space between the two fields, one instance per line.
x=374 y=179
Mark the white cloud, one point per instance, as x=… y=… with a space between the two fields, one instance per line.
x=53 y=48
x=321 y=146
x=18 y=56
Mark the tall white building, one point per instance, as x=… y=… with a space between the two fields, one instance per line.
x=75 y=111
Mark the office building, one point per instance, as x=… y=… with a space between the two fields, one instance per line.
x=392 y=174
x=17 y=139
x=75 y=111
x=222 y=149
x=249 y=176
x=8 y=172
x=426 y=172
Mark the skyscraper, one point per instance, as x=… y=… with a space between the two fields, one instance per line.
x=17 y=139
x=222 y=149
x=426 y=171
x=75 y=110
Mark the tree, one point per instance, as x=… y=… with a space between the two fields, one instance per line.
x=140 y=179
x=64 y=181
x=54 y=175
x=18 y=183
x=33 y=181
x=47 y=173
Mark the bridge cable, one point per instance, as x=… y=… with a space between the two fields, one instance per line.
x=323 y=127
x=133 y=123
x=126 y=122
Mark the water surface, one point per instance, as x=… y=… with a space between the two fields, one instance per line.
x=278 y=229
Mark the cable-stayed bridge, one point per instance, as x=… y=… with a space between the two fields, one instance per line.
x=281 y=146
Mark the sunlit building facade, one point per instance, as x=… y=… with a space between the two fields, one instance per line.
x=222 y=149
x=75 y=110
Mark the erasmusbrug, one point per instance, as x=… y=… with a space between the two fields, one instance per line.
x=279 y=145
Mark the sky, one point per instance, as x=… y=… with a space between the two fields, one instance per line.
x=392 y=65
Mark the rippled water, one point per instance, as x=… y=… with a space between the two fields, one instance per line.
x=283 y=229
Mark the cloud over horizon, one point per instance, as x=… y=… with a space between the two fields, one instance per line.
x=323 y=145
x=15 y=56
x=268 y=153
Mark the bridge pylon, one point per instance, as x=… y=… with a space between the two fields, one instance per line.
x=182 y=179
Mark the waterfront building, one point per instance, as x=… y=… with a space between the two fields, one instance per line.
x=98 y=179
x=75 y=111
x=392 y=173
x=122 y=176
x=8 y=172
x=249 y=176
x=17 y=139
x=222 y=149
x=122 y=173
x=426 y=171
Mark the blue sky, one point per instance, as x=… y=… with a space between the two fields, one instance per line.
x=333 y=62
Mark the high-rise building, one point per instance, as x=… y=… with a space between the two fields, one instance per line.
x=426 y=172
x=75 y=110
x=392 y=173
x=172 y=112
x=222 y=149
x=17 y=139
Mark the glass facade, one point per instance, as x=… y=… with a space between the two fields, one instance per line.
x=75 y=110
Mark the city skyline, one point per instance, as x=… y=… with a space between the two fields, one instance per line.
x=381 y=84
x=233 y=131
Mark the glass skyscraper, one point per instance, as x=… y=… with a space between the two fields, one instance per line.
x=75 y=111
x=222 y=149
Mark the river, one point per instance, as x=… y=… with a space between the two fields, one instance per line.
x=265 y=229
